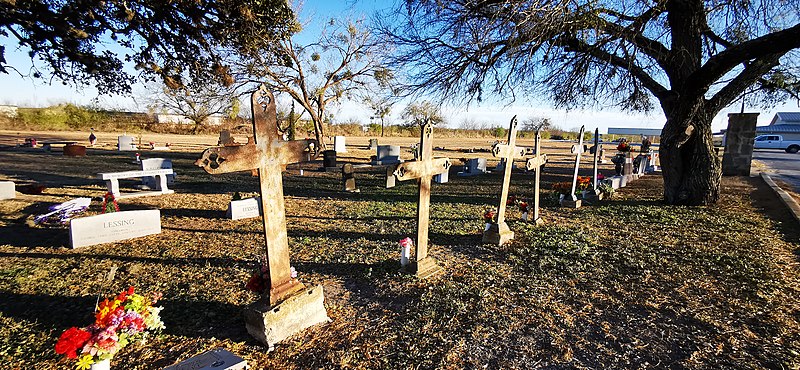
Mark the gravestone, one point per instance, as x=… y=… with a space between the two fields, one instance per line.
x=244 y=208
x=627 y=168
x=7 y=190
x=339 y=144
x=225 y=138
x=474 y=167
x=595 y=193
x=125 y=143
x=614 y=182
x=442 y=177
x=217 y=359
x=739 y=141
x=114 y=226
x=349 y=179
x=373 y=144
x=571 y=201
x=156 y=164
x=423 y=170
x=653 y=162
x=536 y=164
x=287 y=306
x=643 y=163
x=498 y=232
x=387 y=154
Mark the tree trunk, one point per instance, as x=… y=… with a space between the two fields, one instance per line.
x=691 y=168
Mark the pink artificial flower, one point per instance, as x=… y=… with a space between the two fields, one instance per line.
x=293 y=273
x=407 y=242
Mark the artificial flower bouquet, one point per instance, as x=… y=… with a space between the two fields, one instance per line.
x=259 y=280
x=126 y=318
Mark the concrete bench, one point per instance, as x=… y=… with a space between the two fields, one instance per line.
x=112 y=181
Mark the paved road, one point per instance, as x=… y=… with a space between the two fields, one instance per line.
x=784 y=166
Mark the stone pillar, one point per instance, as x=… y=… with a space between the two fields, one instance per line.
x=739 y=144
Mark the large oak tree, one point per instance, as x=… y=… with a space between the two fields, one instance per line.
x=694 y=57
x=85 y=42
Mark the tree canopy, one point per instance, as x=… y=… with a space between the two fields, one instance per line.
x=85 y=42
x=694 y=57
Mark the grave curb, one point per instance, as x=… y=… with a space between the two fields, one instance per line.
x=787 y=199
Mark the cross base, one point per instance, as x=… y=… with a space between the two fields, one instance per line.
x=592 y=197
x=424 y=268
x=569 y=203
x=497 y=234
x=272 y=324
x=537 y=221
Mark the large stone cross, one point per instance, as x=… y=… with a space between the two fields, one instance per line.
x=269 y=154
x=535 y=164
x=423 y=169
x=499 y=233
x=577 y=149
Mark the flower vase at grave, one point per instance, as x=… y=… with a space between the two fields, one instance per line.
x=488 y=224
x=101 y=365
x=405 y=251
x=524 y=216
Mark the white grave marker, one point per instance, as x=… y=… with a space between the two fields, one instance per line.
x=244 y=208
x=339 y=144
x=125 y=143
x=7 y=190
x=115 y=226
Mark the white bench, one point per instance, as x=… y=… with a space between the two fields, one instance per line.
x=112 y=181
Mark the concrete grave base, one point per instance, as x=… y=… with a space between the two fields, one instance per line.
x=568 y=203
x=271 y=325
x=592 y=197
x=424 y=268
x=497 y=234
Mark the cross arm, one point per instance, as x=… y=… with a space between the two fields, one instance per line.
x=536 y=162
x=506 y=151
x=414 y=170
x=247 y=157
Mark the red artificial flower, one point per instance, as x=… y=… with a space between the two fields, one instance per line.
x=71 y=340
x=511 y=201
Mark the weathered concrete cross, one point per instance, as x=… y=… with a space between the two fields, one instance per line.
x=270 y=154
x=535 y=164
x=578 y=151
x=499 y=233
x=423 y=169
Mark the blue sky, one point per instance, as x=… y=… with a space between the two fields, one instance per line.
x=22 y=91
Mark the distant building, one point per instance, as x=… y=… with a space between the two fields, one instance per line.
x=180 y=119
x=784 y=123
x=634 y=131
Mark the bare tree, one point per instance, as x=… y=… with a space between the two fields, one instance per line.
x=534 y=124
x=695 y=57
x=417 y=114
x=381 y=107
x=197 y=102
x=343 y=61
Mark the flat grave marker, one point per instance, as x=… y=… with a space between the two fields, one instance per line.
x=244 y=208
x=7 y=190
x=114 y=226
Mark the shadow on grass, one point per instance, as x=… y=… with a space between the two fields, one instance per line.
x=765 y=199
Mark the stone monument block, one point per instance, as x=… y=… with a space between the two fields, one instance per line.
x=387 y=154
x=115 y=226
x=126 y=143
x=7 y=190
x=271 y=325
x=339 y=144
x=739 y=143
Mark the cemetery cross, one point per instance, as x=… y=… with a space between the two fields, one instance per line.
x=269 y=154
x=498 y=232
x=578 y=151
x=535 y=164
x=597 y=148
x=423 y=169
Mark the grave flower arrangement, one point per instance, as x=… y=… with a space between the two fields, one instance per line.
x=562 y=188
x=109 y=207
x=606 y=189
x=624 y=147
x=488 y=217
x=60 y=214
x=128 y=317
x=584 y=183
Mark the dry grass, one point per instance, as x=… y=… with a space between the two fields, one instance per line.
x=628 y=283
